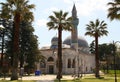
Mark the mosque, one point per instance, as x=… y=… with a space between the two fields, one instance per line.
x=76 y=57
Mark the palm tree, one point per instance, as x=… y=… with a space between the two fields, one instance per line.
x=114 y=10
x=18 y=10
x=60 y=22
x=96 y=29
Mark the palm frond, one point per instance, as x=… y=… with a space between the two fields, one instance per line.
x=98 y=28
x=60 y=19
x=65 y=14
x=60 y=14
x=52 y=18
x=97 y=23
x=114 y=10
x=57 y=15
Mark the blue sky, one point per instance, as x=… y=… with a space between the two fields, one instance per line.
x=88 y=10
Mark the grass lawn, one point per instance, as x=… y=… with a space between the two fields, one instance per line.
x=18 y=81
x=104 y=78
x=89 y=80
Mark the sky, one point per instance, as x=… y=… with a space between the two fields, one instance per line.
x=87 y=10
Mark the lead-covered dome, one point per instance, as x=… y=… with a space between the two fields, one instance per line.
x=54 y=39
x=81 y=42
x=54 y=42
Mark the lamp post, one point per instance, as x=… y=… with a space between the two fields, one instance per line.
x=114 y=53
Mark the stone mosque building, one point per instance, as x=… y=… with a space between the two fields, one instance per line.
x=76 y=57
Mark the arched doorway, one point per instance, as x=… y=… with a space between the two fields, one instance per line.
x=50 y=65
x=51 y=69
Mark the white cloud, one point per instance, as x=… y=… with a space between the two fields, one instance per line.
x=50 y=10
x=53 y=9
x=88 y=7
x=41 y=22
x=71 y=1
x=67 y=1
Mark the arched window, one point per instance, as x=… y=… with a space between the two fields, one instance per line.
x=69 y=63
x=42 y=63
x=50 y=59
x=73 y=63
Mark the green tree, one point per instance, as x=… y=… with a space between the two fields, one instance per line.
x=96 y=29
x=92 y=47
x=114 y=10
x=3 y=38
x=32 y=52
x=60 y=22
x=105 y=54
x=18 y=10
x=28 y=45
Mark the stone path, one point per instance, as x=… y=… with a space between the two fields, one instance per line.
x=43 y=78
x=45 y=81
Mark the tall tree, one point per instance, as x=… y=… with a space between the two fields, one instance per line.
x=96 y=29
x=28 y=45
x=60 y=21
x=18 y=10
x=3 y=38
x=114 y=10
x=105 y=51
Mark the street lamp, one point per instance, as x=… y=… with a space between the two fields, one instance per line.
x=114 y=53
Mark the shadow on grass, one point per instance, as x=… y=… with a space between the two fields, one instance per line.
x=68 y=81
x=17 y=81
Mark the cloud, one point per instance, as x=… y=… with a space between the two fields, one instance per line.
x=41 y=22
x=53 y=9
x=71 y=1
x=88 y=7
x=67 y=1
x=50 y=10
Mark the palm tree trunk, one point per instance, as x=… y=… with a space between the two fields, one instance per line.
x=14 y=75
x=59 y=75
x=96 y=57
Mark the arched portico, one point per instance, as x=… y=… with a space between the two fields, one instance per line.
x=50 y=65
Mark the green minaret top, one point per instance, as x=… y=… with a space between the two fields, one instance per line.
x=74 y=12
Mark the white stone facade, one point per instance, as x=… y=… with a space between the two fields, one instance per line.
x=72 y=61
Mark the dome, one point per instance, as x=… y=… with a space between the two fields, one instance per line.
x=81 y=42
x=54 y=42
x=54 y=39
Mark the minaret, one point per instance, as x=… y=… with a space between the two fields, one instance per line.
x=74 y=33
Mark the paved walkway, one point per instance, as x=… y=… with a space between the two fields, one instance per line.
x=46 y=78
x=42 y=78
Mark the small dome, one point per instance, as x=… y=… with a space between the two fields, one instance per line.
x=81 y=42
x=54 y=42
x=54 y=39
